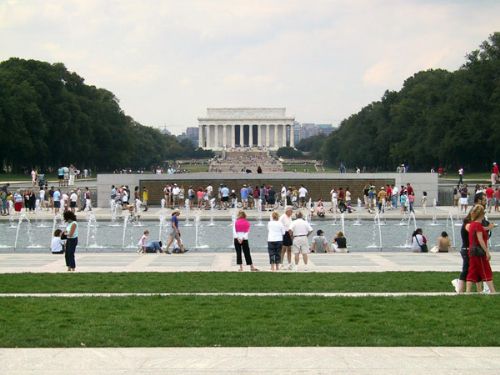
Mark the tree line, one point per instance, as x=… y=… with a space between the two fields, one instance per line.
x=438 y=118
x=49 y=117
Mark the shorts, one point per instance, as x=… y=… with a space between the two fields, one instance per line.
x=300 y=245
x=18 y=206
x=174 y=234
x=72 y=204
x=464 y=201
x=57 y=204
x=60 y=177
x=287 y=240
x=225 y=199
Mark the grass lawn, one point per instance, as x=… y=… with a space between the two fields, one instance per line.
x=299 y=168
x=249 y=321
x=228 y=282
x=197 y=321
x=193 y=168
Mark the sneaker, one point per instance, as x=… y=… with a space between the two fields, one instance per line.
x=486 y=289
x=454 y=282
x=306 y=268
x=290 y=266
x=167 y=252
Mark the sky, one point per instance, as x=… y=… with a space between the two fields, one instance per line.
x=168 y=60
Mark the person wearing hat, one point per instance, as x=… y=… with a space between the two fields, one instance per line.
x=381 y=199
x=320 y=243
x=173 y=232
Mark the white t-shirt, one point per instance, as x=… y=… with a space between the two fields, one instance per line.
x=73 y=197
x=42 y=194
x=415 y=245
x=276 y=230
x=56 y=245
x=176 y=190
x=300 y=227
x=286 y=221
x=333 y=193
x=302 y=192
x=347 y=195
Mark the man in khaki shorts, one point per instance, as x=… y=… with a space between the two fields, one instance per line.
x=300 y=229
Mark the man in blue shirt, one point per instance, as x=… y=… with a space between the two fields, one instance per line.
x=244 y=196
x=224 y=192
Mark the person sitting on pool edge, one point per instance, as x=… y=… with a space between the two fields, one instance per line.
x=340 y=243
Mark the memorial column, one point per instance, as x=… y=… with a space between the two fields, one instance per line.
x=283 y=127
x=267 y=135
x=292 y=136
x=250 y=135
x=233 y=132
x=224 y=136
x=275 y=140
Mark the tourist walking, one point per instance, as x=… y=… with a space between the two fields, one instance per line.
x=300 y=229
x=173 y=232
x=479 y=253
x=275 y=233
x=241 y=229
x=71 y=234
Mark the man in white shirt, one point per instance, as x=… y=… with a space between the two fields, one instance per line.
x=333 y=194
x=283 y=195
x=42 y=198
x=286 y=248
x=73 y=199
x=175 y=193
x=302 y=196
x=300 y=229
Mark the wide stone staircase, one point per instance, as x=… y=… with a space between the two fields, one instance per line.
x=241 y=161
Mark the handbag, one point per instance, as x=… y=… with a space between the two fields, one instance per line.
x=423 y=247
x=477 y=251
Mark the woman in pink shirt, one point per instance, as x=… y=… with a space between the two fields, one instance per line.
x=240 y=234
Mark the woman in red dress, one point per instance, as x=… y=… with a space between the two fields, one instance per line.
x=479 y=266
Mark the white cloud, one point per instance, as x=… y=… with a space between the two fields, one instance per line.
x=168 y=60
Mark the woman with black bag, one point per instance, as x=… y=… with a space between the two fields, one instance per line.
x=479 y=253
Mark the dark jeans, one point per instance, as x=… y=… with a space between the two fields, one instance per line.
x=465 y=264
x=274 y=249
x=70 y=252
x=246 y=251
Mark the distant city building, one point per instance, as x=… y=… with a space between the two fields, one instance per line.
x=306 y=130
x=164 y=130
x=191 y=133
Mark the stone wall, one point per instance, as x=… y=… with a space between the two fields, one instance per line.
x=318 y=184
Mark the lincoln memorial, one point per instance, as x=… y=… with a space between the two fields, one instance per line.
x=225 y=128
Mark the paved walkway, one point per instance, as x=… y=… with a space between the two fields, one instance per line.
x=16 y=262
x=262 y=360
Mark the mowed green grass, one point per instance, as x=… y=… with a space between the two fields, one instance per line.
x=199 y=321
x=156 y=282
x=193 y=321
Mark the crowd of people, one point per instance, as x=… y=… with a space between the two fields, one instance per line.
x=462 y=194
x=54 y=199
